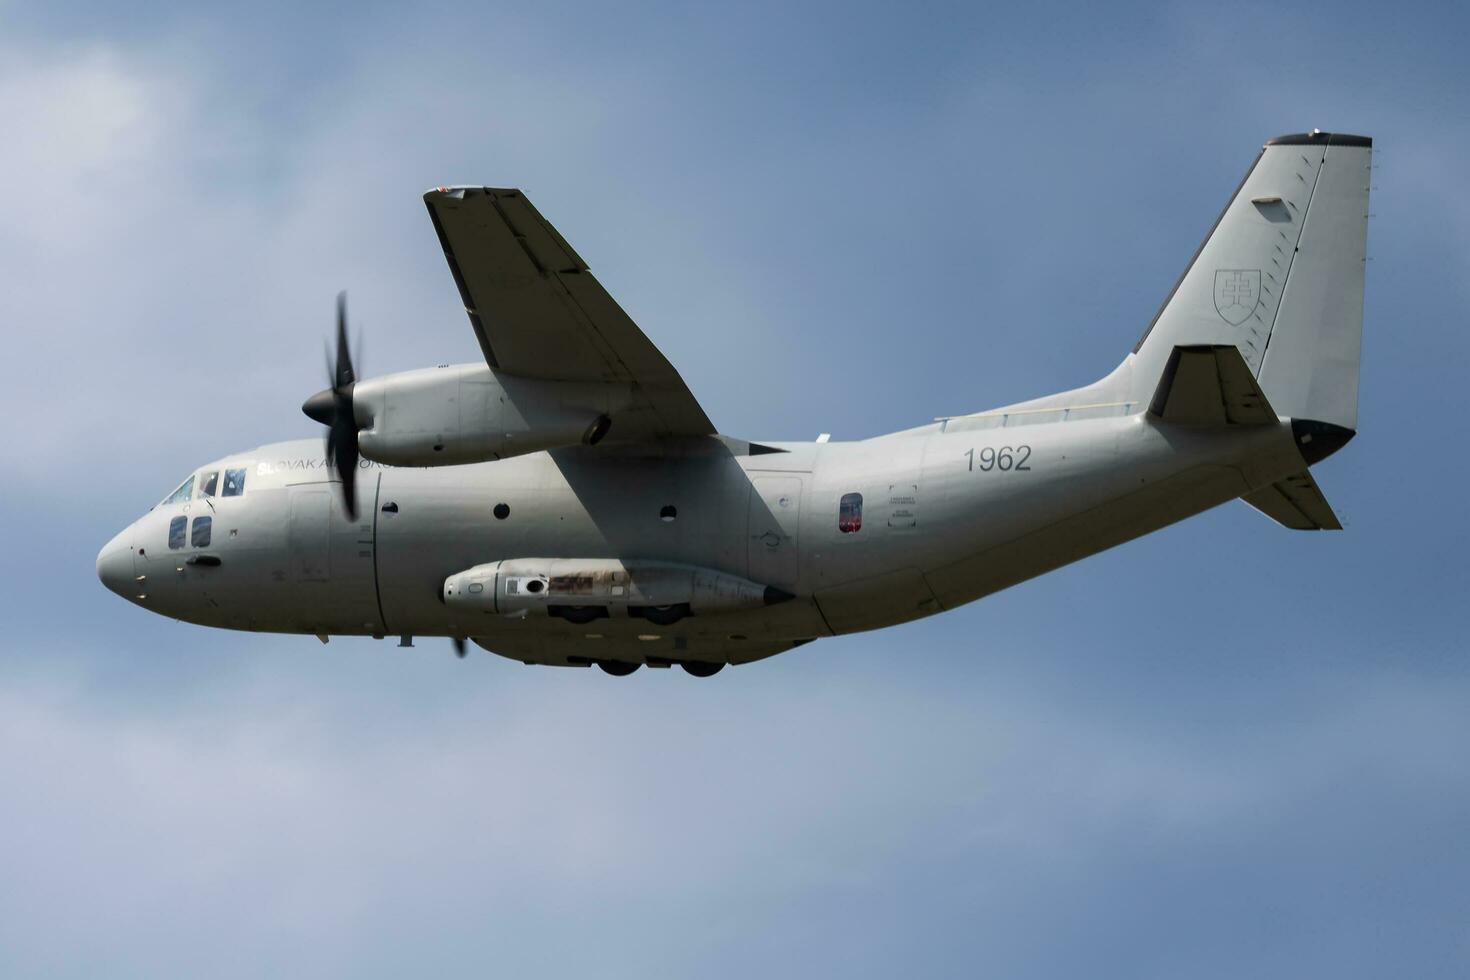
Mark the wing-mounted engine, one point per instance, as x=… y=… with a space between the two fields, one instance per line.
x=564 y=364
x=466 y=413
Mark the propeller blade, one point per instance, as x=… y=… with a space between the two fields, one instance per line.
x=343 y=453
x=333 y=408
x=459 y=646
x=344 y=376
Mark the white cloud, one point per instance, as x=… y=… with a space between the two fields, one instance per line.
x=250 y=821
x=113 y=243
x=82 y=126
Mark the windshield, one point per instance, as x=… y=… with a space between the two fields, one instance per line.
x=182 y=493
x=234 y=482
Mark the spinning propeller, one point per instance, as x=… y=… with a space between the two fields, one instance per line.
x=333 y=408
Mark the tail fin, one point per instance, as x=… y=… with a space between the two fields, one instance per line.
x=1280 y=277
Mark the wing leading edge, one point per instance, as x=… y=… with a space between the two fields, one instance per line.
x=539 y=313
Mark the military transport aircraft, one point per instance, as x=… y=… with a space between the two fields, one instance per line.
x=568 y=502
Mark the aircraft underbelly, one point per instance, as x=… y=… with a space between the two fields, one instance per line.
x=877 y=601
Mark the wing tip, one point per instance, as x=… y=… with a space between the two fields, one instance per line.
x=459 y=192
x=1317 y=136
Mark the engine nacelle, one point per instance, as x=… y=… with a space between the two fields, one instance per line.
x=584 y=589
x=465 y=413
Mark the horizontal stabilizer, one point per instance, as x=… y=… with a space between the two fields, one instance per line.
x=1210 y=385
x=1295 y=502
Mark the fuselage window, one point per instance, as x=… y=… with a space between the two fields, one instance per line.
x=184 y=492
x=199 y=535
x=850 y=513
x=208 y=482
x=176 y=529
x=234 y=483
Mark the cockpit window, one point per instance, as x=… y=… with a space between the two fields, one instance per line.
x=234 y=483
x=208 y=482
x=199 y=533
x=176 y=531
x=184 y=492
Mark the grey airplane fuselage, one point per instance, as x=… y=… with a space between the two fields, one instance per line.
x=863 y=534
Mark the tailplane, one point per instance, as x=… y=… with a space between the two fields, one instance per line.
x=1210 y=386
x=1295 y=502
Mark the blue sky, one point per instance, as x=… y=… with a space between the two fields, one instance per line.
x=1223 y=750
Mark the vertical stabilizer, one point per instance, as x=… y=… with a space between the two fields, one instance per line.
x=1280 y=277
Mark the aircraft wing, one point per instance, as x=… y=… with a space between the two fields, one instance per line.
x=539 y=313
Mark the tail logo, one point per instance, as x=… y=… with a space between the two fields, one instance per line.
x=1237 y=294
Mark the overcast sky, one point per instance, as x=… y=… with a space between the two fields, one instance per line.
x=1225 y=750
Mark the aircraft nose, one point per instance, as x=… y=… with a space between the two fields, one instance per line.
x=115 y=564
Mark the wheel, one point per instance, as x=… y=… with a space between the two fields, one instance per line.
x=666 y=615
x=581 y=615
x=700 y=668
x=618 y=668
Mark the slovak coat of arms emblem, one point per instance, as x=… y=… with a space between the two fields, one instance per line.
x=1237 y=293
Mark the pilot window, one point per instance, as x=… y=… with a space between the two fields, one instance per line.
x=199 y=534
x=208 y=482
x=234 y=483
x=850 y=513
x=184 y=492
x=176 y=532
